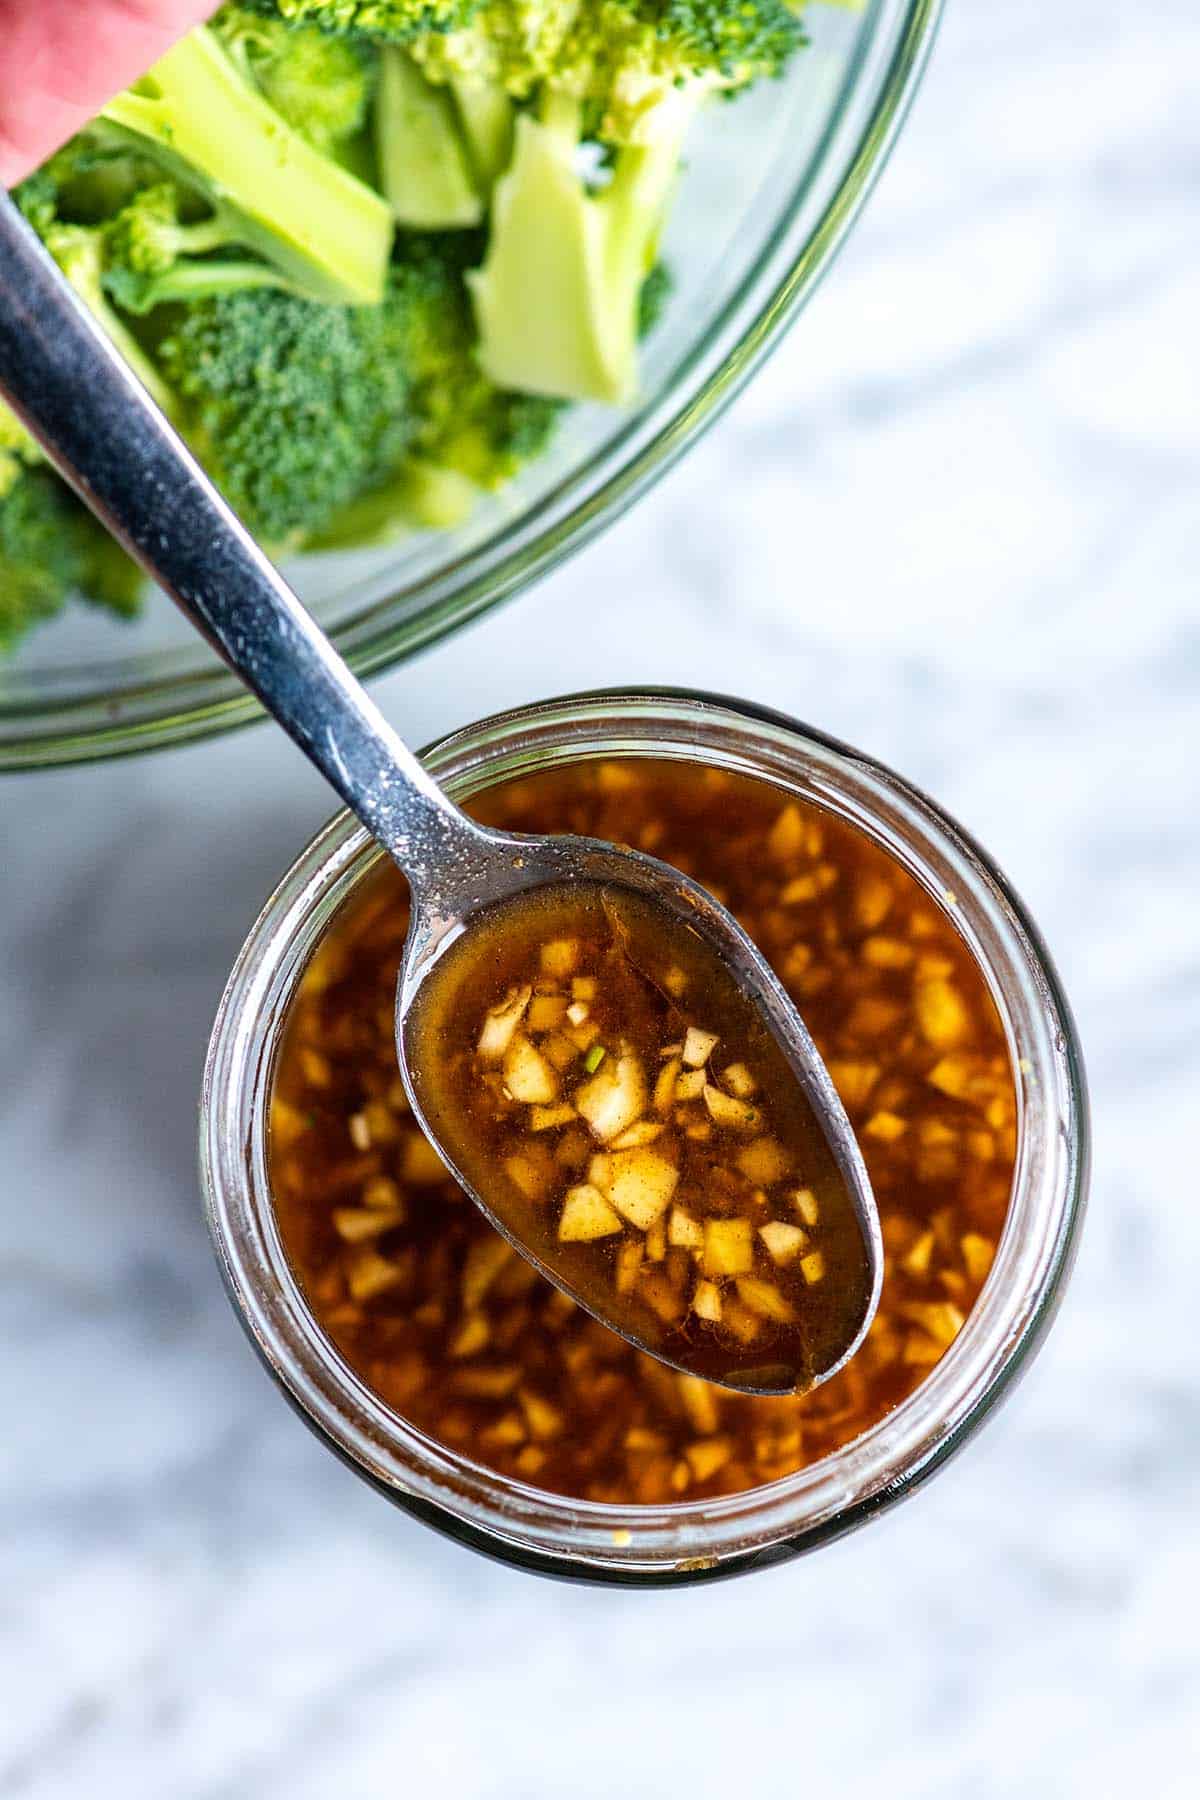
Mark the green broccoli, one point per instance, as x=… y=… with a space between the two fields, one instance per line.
x=557 y=299
x=386 y=21
x=198 y=115
x=294 y=408
x=322 y=85
x=152 y=257
x=18 y=451
x=621 y=57
x=50 y=547
x=468 y=435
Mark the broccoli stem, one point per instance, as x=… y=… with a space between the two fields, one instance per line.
x=487 y=115
x=195 y=113
x=556 y=301
x=79 y=253
x=423 y=163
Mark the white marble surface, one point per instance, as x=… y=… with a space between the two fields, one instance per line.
x=957 y=522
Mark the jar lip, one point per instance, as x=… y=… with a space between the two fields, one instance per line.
x=827 y=1497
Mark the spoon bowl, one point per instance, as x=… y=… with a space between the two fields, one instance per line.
x=488 y=869
x=99 y=427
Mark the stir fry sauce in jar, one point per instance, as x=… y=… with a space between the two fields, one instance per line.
x=455 y=1331
x=599 y=1078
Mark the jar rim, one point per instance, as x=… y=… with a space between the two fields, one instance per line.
x=685 y=1539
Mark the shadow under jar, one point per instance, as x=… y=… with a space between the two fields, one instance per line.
x=941 y=1018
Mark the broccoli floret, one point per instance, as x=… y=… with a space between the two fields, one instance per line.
x=294 y=408
x=18 y=451
x=463 y=421
x=198 y=115
x=151 y=256
x=621 y=57
x=50 y=546
x=558 y=299
x=321 y=85
x=388 y=21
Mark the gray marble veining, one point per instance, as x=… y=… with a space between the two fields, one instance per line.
x=955 y=521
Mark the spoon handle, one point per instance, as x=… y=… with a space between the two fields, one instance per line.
x=101 y=430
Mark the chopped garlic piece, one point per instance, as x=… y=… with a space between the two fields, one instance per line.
x=384 y=1193
x=472 y=1335
x=978 y=1254
x=707 y=1456
x=706 y=1301
x=614 y=1098
x=656 y=1241
x=640 y=1184
x=543 y=1420
x=684 y=1231
x=644 y=1132
x=484 y=1261
x=578 y=1012
x=559 y=957
x=546 y=1012
x=886 y=1126
x=698 y=1046
x=724 y=1110
x=941 y=1013
x=940 y=1318
x=583 y=987
x=765 y=1299
x=355 y=1224
x=501 y=1022
x=728 y=1246
x=546 y=1118
x=784 y=1242
x=526 y=1175
x=917 y=1260
x=690 y=1086
x=805 y=1203
x=586 y=1215
x=665 y=1085
x=812 y=1267
x=764 y=1162
x=368 y=1274
x=421 y=1163
x=786 y=836
x=528 y=1076
x=699 y=1397
x=740 y=1081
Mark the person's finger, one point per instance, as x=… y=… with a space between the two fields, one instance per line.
x=60 y=60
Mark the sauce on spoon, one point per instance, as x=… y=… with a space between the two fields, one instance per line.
x=589 y=1066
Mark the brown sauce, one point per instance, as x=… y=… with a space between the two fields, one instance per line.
x=457 y=1333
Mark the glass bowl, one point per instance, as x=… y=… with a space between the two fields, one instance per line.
x=763 y=204
x=702 y=1539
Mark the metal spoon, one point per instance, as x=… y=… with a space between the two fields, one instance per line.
x=105 y=435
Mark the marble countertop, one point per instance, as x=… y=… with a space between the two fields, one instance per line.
x=957 y=523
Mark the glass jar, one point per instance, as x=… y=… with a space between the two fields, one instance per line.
x=685 y=1541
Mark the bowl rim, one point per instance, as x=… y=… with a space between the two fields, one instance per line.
x=200 y=703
